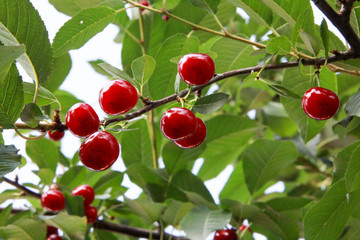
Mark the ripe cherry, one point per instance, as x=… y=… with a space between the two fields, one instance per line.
x=51 y=230
x=178 y=123
x=145 y=3
x=54 y=237
x=165 y=17
x=86 y=191
x=56 y=135
x=320 y=103
x=196 y=68
x=82 y=120
x=118 y=97
x=99 y=151
x=53 y=200
x=90 y=213
x=196 y=139
x=226 y=234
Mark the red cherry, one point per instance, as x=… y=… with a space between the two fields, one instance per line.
x=51 y=230
x=86 y=191
x=53 y=200
x=196 y=139
x=118 y=97
x=196 y=68
x=54 y=237
x=320 y=103
x=178 y=123
x=165 y=17
x=82 y=120
x=226 y=234
x=145 y=3
x=99 y=151
x=90 y=213
x=56 y=135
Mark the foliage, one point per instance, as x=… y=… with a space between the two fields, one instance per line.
x=255 y=122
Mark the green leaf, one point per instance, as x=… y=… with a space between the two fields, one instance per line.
x=264 y=159
x=342 y=160
x=327 y=219
x=208 y=5
x=4 y=215
x=95 y=65
x=256 y=10
x=136 y=145
x=324 y=32
x=176 y=211
x=20 y=23
x=287 y=203
x=81 y=28
x=74 y=177
x=8 y=54
x=117 y=73
x=60 y=70
x=27 y=229
x=11 y=98
x=46 y=176
x=43 y=153
x=282 y=91
x=45 y=97
x=345 y=126
x=200 y=222
x=9 y=159
x=226 y=138
x=73 y=227
x=109 y=180
x=150 y=211
x=143 y=67
x=210 y=103
x=352 y=108
x=32 y=115
x=74 y=204
x=279 y=45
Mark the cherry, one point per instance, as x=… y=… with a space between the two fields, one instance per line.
x=90 y=213
x=53 y=200
x=196 y=68
x=320 y=103
x=165 y=17
x=56 y=135
x=82 y=120
x=145 y=3
x=99 y=151
x=178 y=123
x=51 y=230
x=226 y=234
x=54 y=237
x=118 y=97
x=196 y=139
x=245 y=228
x=86 y=191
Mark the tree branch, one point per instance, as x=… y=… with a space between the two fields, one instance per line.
x=341 y=22
x=154 y=104
x=100 y=224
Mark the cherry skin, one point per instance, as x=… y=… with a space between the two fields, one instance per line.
x=118 y=97
x=165 y=17
x=178 y=123
x=56 y=135
x=53 y=200
x=82 y=120
x=145 y=3
x=86 y=191
x=54 y=237
x=196 y=68
x=51 y=230
x=90 y=213
x=99 y=151
x=196 y=139
x=320 y=103
x=225 y=235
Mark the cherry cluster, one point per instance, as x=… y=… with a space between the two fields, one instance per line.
x=54 y=201
x=180 y=124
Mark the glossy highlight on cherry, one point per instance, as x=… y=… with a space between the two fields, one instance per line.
x=225 y=234
x=86 y=191
x=196 y=139
x=53 y=200
x=82 y=120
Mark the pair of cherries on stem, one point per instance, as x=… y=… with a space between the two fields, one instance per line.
x=54 y=200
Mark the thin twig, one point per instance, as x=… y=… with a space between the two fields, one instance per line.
x=22 y=188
